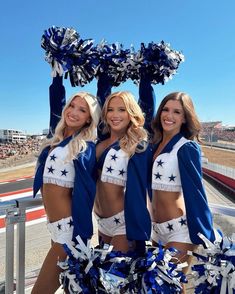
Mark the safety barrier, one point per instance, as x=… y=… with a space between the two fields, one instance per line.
x=15 y=215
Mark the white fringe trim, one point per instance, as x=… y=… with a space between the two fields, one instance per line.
x=165 y=187
x=58 y=182
x=108 y=179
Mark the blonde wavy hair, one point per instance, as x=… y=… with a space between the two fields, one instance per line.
x=87 y=133
x=190 y=129
x=135 y=138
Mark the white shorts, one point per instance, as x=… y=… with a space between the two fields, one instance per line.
x=174 y=230
x=61 y=230
x=113 y=225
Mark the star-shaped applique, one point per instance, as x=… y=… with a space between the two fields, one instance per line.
x=170 y=227
x=158 y=176
x=172 y=178
x=116 y=220
x=160 y=163
x=53 y=157
x=114 y=157
x=64 y=172
x=50 y=169
x=59 y=226
x=121 y=172
x=183 y=222
x=109 y=169
x=70 y=223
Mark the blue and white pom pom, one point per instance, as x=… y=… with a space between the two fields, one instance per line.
x=84 y=64
x=102 y=270
x=158 y=273
x=67 y=53
x=216 y=271
x=60 y=44
x=93 y=270
x=157 y=61
x=112 y=61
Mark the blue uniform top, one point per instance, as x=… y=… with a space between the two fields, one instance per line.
x=198 y=214
x=83 y=192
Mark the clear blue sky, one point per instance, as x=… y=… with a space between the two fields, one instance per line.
x=204 y=30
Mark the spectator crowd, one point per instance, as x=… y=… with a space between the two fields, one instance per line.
x=11 y=152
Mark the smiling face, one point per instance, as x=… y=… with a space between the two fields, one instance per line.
x=172 y=117
x=117 y=116
x=76 y=115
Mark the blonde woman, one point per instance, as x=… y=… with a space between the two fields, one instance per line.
x=65 y=176
x=122 y=161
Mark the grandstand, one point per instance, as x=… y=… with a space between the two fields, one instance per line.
x=215 y=132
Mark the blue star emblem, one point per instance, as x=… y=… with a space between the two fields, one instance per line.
x=53 y=157
x=109 y=169
x=172 y=178
x=50 y=169
x=70 y=223
x=64 y=172
x=59 y=226
x=114 y=157
x=121 y=172
x=160 y=163
x=183 y=222
x=117 y=220
x=158 y=176
x=170 y=227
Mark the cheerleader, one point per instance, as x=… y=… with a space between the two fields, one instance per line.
x=64 y=175
x=179 y=204
x=122 y=161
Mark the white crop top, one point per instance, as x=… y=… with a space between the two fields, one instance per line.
x=58 y=170
x=115 y=167
x=165 y=171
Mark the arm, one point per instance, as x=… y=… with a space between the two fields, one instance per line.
x=104 y=86
x=57 y=103
x=38 y=178
x=84 y=193
x=147 y=101
x=138 y=222
x=198 y=214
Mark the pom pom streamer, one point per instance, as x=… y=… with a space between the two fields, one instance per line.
x=102 y=270
x=112 y=61
x=82 y=61
x=157 y=61
x=67 y=53
x=216 y=272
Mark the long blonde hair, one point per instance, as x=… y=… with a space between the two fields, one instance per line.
x=87 y=133
x=190 y=129
x=135 y=138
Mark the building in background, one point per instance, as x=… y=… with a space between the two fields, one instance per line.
x=10 y=135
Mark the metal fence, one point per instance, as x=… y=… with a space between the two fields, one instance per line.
x=15 y=216
x=221 y=169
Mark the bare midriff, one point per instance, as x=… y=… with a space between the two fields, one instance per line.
x=109 y=199
x=167 y=205
x=57 y=201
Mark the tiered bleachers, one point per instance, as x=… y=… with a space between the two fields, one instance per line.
x=214 y=131
x=10 y=151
